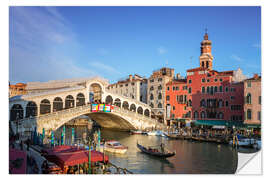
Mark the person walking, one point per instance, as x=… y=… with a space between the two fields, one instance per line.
x=28 y=144
x=21 y=145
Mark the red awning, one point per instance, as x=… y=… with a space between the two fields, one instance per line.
x=17 y=161
x=70 y=156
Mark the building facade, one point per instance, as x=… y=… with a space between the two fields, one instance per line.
x=156 y=91
x=17 y=89
x=134 y=87
x=207 y=94
x=176 y=99
x=252 y=107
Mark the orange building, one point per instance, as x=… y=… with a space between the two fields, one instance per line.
x=208 y=94
x=17 y=89
x=176 y=99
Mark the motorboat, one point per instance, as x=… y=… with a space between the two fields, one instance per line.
x=156 y=151
x=245 y=142
x=136 y=132
x=257 y=144
x=114 y=147
x=173 y=135
x=155 y=133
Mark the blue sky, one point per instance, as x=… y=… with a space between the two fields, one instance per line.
x=49 y=43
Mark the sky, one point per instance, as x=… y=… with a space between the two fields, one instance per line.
x=53 y=43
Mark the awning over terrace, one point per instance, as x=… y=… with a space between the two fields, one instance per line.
x=71 y=155
x=219 y=123
x=17 y=161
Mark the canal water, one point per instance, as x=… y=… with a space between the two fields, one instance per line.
x=190 y=158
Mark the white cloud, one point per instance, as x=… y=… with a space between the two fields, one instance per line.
x=106 y=68
x=162 y=50
x=237 y=58
x=42 y=44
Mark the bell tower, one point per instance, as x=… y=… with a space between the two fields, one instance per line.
x=206 y=57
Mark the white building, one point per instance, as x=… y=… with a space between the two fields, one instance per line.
x=134 y=87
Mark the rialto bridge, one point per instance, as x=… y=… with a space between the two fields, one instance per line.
x=50 y=108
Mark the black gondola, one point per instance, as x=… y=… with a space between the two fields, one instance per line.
x=155 y=152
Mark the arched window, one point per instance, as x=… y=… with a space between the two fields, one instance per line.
x=207 y=64
x=189 y=103
x=202 y=103
x=159 y=96
x=249 y=114
x=159 y=105
x=220 y=115
x=189 y=114
x=159 y=87
x=195 y=114
x=151 y=105
x=151 y=97
x=203 y=89
x=202 y=114
x=203 y=64
x=248 y=98
x=220 y=103
x=189 y=90
x=220 y=89
x=216 y=89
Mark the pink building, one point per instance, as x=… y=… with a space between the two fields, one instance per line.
x=252 y=107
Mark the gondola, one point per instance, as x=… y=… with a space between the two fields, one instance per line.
x=155 y=152
x=174 y=136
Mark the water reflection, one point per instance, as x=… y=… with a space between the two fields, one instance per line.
x=190 y=158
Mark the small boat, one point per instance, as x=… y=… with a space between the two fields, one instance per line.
x=114 y=147
x=173 y=135
x=257 y=144
x=245 y=142
x=155 y=151
x=136 y=132
x=155 y=133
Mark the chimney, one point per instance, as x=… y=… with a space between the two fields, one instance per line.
x=130 y=77
x=256 y=76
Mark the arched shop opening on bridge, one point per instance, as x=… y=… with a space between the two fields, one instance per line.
x=45 y=106
x=140 y=110
x=31 y=109
x=16 y=112
x=69 y=102
x=57 y=104
x=117 y=102
x=109 y=99
x=95 y=93
x=125 y=105
x=147 y=112
x=132 y=108
x=80 y=100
